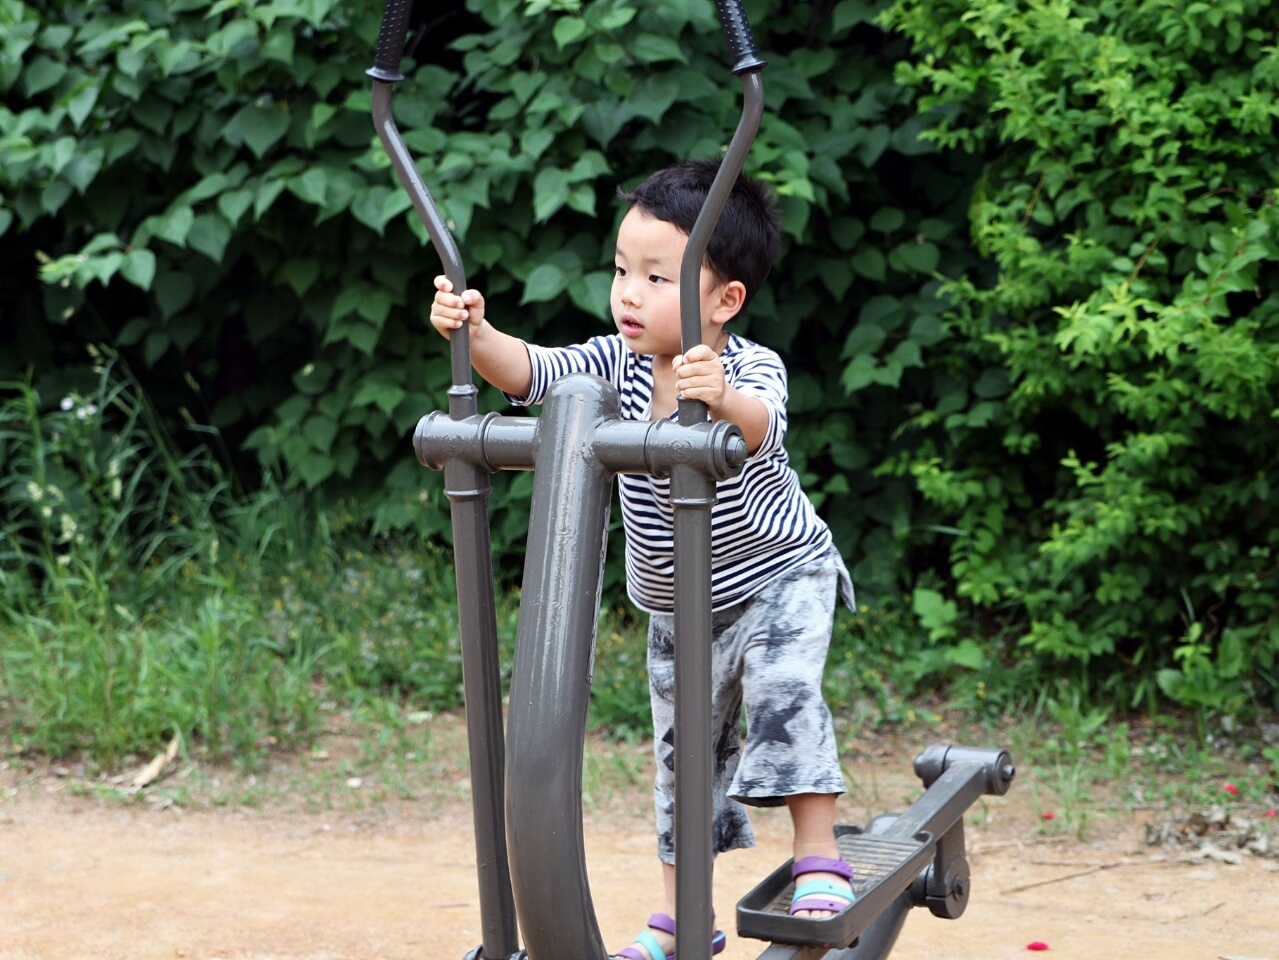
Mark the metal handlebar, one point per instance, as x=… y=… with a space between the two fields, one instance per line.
x=737 y=31
x=386 y=73
x=390 y=42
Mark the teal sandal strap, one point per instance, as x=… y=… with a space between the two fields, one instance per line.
x=816 y=887
x=649 y=943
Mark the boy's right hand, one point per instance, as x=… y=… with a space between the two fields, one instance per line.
x=449 y=311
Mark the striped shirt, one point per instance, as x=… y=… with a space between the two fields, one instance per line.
x=762 y=525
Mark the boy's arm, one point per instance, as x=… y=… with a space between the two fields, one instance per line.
x=498 y=357
x=747 y=412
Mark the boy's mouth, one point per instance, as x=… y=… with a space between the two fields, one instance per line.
x=629 y=326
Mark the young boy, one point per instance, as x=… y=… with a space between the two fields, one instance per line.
x=775 y=573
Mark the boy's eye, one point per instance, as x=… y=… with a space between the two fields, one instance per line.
x=654 y=278
x=619 y=271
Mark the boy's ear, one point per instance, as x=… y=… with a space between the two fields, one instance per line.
x=731 y=298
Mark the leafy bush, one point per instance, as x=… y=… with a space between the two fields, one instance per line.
x=202 y=186
x=1102 y=442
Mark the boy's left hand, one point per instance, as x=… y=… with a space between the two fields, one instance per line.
x=699 y=375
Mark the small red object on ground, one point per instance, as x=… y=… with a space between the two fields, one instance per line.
x=1049 y=816
x=1273 y=812
x=1037 y=945
x=1231 y=789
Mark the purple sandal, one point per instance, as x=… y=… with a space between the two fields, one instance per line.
x=666 y=924
x=819 y=894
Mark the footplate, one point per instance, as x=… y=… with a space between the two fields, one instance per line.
x=883 y=868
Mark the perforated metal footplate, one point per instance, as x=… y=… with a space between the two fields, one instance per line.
x=883 y=867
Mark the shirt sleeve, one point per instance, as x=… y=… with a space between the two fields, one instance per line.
x=760 y=374
x=599 y=355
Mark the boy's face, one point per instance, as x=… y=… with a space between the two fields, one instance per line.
x=645 y=296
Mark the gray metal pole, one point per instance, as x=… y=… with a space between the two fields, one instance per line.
x=467 y=487
x=692 y=496
x=550 y=678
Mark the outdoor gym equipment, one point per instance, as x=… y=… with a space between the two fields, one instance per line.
x=527 y=799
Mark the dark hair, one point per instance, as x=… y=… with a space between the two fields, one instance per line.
x=748 y=234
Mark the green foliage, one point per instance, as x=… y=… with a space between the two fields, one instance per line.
x=198 y=184
x=1105 y=453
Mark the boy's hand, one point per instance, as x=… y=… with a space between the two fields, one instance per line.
x=699 y=375
x=449 y=311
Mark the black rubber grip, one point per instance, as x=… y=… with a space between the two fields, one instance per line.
x=737 y=31
x=390 y=42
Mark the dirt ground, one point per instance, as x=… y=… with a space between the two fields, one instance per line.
x=324 y=869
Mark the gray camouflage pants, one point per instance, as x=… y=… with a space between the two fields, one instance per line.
x=768 y=655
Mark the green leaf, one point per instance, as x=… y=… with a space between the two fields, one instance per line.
x=836 y=276
x=550 y=191
x=155 y=346
x=83 y=169
x=935 y=612
x=82 y=100
x=545 y=283
x=321 y=431
x=364 y=337
x=234 y=203
x=279 y=46
x=209 y=234
x=375 y=306
x=267 y=191
x=386 y=396
x=887 y=219
x=179 y=58
x=139 y=268
x=310 y=187
x=651 y=48
x=369 y=207
x=173 y=291
x=258 y=127
x=967 y=654
x=920 y=257
x=869 y=262
x=849 y=13
x=175 y=225
x=43 y=73
x=314 y=468
x=132 y=332
x=846 y=231
x=859 y=374
x=653 y=96
x=300 y=274
x=567 y=30
x=590 y=293
x=865 y=338
x=877 y=140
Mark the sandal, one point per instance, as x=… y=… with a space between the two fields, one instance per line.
x=817 y=894
x=666 y=924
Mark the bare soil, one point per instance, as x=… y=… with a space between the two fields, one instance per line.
x=311 y=860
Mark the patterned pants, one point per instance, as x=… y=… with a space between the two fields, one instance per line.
x=768 y=655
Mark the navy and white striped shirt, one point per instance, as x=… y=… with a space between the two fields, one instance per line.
x=762 y=525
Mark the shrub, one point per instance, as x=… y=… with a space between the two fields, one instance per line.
x=202 y=186
x=1105 y=453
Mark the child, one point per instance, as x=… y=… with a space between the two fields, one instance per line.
x=775 y=573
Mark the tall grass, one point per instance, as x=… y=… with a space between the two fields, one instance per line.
x=116 y=626
x=141 y=597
